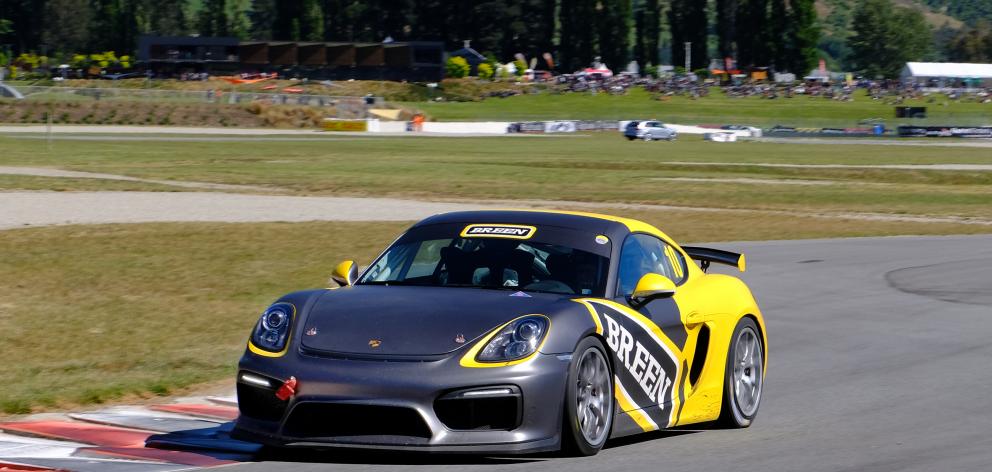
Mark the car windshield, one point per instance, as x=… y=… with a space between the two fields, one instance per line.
x=432 y=258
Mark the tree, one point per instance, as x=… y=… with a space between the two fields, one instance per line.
x=532 y=30
x=652 y=30
x=885 y=37
x=577 y=41
x=300 y=20
x=647 y=30
x=440 y=24
x=67 y=24
x=687 y=21
x=165 y=17
x=212 y=18
x=802 y=53
x=262 y=17
x=726 y=27
x=778 y=34
x=752 y=38
x=238 y=19
x=971 y=45
x=613 y=32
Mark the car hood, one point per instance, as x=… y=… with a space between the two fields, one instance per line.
x=412 y=321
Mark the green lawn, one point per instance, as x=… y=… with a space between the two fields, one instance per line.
x=597 y=168
x=714 y=109
x=90 y=314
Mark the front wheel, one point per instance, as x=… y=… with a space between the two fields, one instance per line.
x=647 y=137
x=588 y=405
x=744 y=378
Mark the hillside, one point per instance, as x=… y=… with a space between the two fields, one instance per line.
x=945 y=16
x=968 y=11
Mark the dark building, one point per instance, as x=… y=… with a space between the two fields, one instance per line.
x=417 y=61
x=171 y=55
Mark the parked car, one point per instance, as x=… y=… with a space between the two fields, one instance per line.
x=649 y=131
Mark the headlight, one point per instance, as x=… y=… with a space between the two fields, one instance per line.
x=272 y=329
x=518 y=339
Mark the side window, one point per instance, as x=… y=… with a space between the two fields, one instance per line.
x=678 y=264
x=642 y=254
x=426 y=259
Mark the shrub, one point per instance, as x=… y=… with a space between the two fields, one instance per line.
x=521 y=67
x=702 y=73
x=457 y=67
x=485 y=71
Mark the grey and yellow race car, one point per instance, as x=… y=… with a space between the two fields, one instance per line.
x=507 y=332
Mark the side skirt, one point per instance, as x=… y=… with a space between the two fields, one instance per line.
x=625 y=425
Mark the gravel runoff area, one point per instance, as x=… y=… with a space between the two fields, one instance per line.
x=21 y=209
x=26 y=209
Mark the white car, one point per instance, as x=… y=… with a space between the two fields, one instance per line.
x=649 y=131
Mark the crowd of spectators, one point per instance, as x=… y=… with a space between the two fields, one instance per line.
x=891 y=91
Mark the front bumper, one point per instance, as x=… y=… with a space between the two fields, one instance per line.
x=393 y=404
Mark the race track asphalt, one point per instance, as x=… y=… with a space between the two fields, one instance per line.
x=880 y=354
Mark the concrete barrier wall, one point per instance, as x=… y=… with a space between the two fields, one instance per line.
x=480 y=127
x=502 y=127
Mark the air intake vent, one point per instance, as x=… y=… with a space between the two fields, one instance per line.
x=324 y=420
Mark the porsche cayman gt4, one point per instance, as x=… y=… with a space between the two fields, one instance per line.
x=507 y=332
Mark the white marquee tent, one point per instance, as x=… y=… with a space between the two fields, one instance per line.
x=947 y=73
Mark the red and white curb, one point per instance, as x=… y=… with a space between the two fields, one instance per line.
x=157 y=438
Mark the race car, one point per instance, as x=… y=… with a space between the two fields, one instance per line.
x=507 y=332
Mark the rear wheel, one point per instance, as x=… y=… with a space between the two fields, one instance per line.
x=647 y=137
x=744 y=378
x=588 y=405
x=630 y=138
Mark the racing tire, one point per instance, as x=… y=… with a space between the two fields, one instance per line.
x=588 y=408
x=744 y=378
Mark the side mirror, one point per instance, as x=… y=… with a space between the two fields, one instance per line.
x=345 y=274
x=652 y=286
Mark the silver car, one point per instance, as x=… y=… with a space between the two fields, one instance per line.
x=649 y=131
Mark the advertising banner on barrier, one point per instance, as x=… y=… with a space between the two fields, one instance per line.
x=345 y=125
x=945 y=131
x=559 y=127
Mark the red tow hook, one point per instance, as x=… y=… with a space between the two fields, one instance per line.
x=288 y=389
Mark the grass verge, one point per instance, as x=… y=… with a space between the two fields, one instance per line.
x=90 y=314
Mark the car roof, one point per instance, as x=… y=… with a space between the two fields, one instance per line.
x=613 y=226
